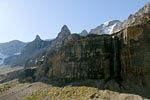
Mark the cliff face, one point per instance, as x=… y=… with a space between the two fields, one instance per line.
x=122 y=55
x=135 y=53
x=91 y=57
x=134 y=50
x=86 y=58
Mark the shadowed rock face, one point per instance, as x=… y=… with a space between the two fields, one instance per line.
x=134 y=48
x=87 y=58
x=135 y=54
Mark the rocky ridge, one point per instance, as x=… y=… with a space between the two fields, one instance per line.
x=138 y=18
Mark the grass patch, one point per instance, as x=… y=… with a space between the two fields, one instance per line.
x=4 y=87
x=66 y=93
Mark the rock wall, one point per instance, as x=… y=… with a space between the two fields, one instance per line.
x=123 y=55
x=88 y=57
x=135 y=54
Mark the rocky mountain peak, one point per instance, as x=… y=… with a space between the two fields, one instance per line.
x=37 y=38
x=134 y=19
x=64 y=28
x=145 y=9
x=84 y=33
x=65 y=32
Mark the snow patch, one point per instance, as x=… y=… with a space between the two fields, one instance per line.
x=17 y=53
x=108 y=27
x=112 y=28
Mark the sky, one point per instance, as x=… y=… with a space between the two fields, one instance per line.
x=24 y=19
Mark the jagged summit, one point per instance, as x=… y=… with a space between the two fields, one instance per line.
x=145 y=9
x=37 y=38
x=139 y=17
x=65 y=32
x=84 y=33
x=64 y=28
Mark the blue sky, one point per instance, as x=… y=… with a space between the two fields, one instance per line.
x=23 y=19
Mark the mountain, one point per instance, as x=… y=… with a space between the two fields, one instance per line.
x=10 y=48
x=27 y=52
x=123 y=56
x=84 y=33
x=2 y=57
x=38 y=48
x=115 y=56
x=105 y=28
x=62 y=36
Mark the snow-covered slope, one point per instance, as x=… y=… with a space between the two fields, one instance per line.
x=106 y=28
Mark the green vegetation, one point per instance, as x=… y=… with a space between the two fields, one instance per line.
x=4 y=87
x=66 y=93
